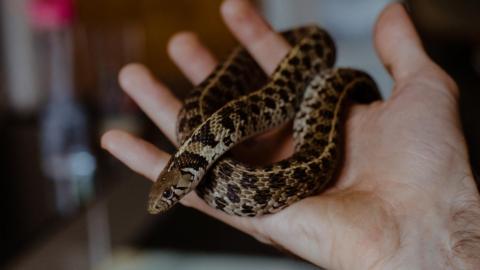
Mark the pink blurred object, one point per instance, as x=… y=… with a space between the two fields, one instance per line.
x=51 y=14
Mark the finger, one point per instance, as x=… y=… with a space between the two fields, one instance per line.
x=246 y=225
x=155 y=99
x=398 y=43
x=139 y=155
x=193 y=59
x=147 y=160
x=266 y=46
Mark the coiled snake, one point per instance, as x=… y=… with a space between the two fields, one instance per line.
x=238 y=101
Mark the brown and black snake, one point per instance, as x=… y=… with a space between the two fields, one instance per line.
x=238 y=101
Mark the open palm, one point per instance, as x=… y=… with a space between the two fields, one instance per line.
x=405 y=173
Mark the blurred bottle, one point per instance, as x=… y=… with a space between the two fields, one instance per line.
x=66 y=155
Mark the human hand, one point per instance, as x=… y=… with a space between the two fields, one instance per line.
x=405 y=197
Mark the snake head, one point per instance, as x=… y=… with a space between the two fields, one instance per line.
x=169 y=188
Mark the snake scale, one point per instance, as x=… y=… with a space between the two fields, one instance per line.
x=237 y=101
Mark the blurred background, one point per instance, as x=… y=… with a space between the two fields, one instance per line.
x=66 y=204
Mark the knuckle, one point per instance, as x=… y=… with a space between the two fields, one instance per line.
x=432 y=76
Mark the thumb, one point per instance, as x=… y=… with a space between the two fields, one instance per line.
x=398 y=43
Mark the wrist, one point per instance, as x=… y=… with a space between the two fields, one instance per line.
x=464 y=228
x=445 y=237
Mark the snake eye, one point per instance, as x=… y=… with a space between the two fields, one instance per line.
x=167 y=194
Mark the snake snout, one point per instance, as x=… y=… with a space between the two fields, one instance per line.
x=156 y=206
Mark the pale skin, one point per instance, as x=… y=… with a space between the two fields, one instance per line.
x=405 y=197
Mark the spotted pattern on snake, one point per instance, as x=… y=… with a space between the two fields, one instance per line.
x=238 y=101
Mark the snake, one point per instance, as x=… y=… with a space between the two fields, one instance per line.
x=238 y=101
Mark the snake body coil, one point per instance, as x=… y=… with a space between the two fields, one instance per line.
x=238 y=101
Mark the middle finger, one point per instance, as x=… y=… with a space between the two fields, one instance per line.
x=265 y=45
